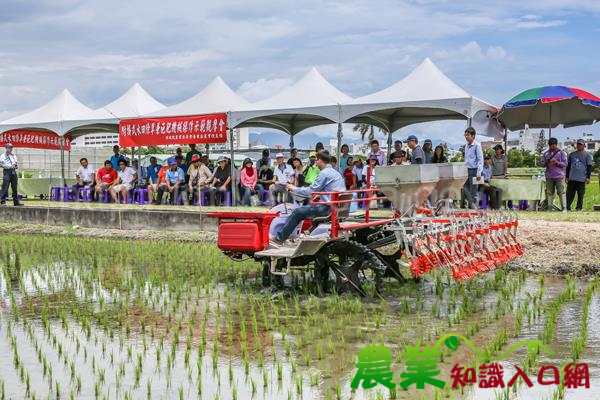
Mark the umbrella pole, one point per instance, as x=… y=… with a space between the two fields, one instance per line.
x=506 y=141
x=550 y=123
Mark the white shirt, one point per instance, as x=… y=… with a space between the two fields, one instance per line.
x=7 y=160
x=128 y=175
x=284 y=176
x=86 y=174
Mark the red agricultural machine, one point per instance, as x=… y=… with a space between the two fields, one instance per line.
x=356 y=248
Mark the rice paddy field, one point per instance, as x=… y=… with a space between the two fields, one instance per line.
x=135 y=319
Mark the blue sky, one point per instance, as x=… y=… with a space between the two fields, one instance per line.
x=99 y=48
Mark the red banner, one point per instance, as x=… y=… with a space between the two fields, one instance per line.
x=210 y=128
x=34 y=139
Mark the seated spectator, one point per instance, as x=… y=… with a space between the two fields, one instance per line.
x=427 y=151
x=349 y=177
x=174 y=177
x=105 y=178
x=298 y=172
x=265 y=180
x=493 y=193
x=357 y=170
x=162 y=186
x=373 y=163
x=198 y=179
x=191 y=153
x=499 y=163
x=405 y=158
x=142 y=174
x=311 y=171
x=438 y=155
x=127 y=178
x=85 y=177
x=248 y=180
x=221 y=182
x=398 y=157
x=264 y=160
x=284 y=174
x=152 y=177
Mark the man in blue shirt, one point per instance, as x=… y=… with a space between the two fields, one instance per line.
x=114 y=160
x=328 y=180
x=474 y=161
x=174 y=178
x=152 y=176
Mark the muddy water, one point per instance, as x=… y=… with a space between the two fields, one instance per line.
x=119 y=328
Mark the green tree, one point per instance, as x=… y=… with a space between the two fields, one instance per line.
x=597 y=159
x=515 y=158
x=363 y=129
x=528 y=158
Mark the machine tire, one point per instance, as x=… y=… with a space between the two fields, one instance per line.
x=347 y=259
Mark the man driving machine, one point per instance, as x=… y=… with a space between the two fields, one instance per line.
x=328 y=180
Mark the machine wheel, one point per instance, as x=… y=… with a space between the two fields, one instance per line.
x=350 y=261
x=269 y=279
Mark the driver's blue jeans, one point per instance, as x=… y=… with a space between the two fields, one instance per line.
x=300 y=214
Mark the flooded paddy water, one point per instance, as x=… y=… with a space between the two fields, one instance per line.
x=125 y=319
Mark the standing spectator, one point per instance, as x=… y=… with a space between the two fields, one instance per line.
x=579 y=171
x=142 y=174
x=334 y=162
x=555 y=161
x=8 y=161
x=345 y=150
x=427 y=151
x=417 y=155
x=248 y=180
x=474 y=161
x=438 y=155
x=221 y=183
x=500 y=163
x=397 y=148
x=357 y=170
x=152 y=177
x=264 y=160
x=298 y=172
x=198 y=178
x=191 y=153
x=85 y=177
x=284 y=174
x=349 y=177
x=494 y=193
x=318 y=147
x=127 y=178
x=116 y=157
x=311 y=171
x=293 y=154
x=179 y=153
x=105 y=178
x=174 y=177
x=376 y=151
x=369 y=176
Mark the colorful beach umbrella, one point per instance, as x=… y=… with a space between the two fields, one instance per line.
x=549 y=107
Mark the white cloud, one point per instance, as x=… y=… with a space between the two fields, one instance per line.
x=263 y=88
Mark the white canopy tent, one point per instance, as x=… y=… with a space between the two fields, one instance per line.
x=311 y=101
x=216 y=97
x=135 y=102
x=52 y=116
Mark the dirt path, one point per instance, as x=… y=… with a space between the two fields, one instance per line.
x=559 y=247
x=550 y=247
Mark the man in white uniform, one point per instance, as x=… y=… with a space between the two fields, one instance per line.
x=8 y=161
x=85 y=176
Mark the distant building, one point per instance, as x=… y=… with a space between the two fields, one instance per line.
x=241 y=140
x=591 y=145
x=96 y=140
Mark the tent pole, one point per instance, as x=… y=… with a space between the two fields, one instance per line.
x=550 y=123
x=232 y=153
x=506 y=141
x=207 y=149
x=339 y=142
x=62 y=160
x=291 y=142
x=389 y=146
